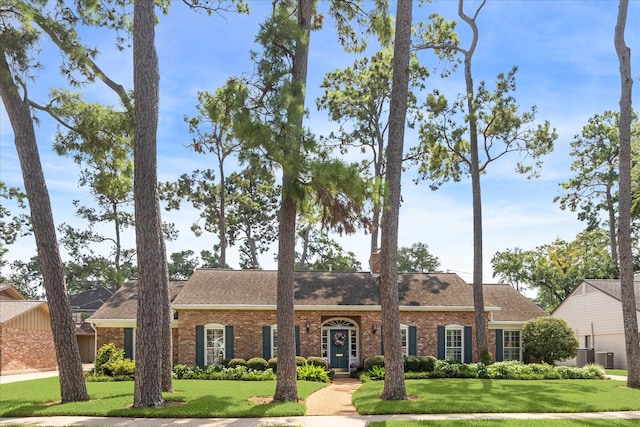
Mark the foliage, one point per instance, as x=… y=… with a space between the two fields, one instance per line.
x=310 y=372
x=11 y=227
x=454 y=369
x=300 y=361
x=257 y=364
x=107 y=353
x=555 y=269
x=548 y=339
x=110 y=362
x=236 y=362
x=411 y=364
x=417 y=258
x=486 y=358
x=322 y=253
x=427 y=363
x=318 y=361
x=376 y=372
x=273 y=364
x=372 y=361
x=218 y=372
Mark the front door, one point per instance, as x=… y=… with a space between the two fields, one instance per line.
x=339 y=348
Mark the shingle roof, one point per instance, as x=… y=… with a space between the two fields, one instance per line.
x=91 y=299
x=513 y=305
x=258 y=287
x=10 y=309
x=123 y=304
x=9 y=292
x=612 y=288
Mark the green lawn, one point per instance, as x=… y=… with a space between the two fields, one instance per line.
x=622 y=372
x=441 y=396
x=510 y=423
x=191 y=399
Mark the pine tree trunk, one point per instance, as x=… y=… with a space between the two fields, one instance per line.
x=72 y=384
x=152 y=277
x=627 y=291
x=394 y=387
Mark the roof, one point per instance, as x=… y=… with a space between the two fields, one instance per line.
x=213 y=287
x=10 y=309
x=123 y=304
x=9 y=292
x=90 y=300
x=611 y=287
x=513 y=305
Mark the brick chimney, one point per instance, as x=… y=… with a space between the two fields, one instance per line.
x=374 y=262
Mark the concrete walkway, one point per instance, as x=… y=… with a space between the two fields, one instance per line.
x=338 y=394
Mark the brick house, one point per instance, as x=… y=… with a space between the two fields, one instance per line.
x=26 y=339
x=220 y=314
x=83 y=304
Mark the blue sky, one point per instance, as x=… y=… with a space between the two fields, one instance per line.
x=567 y=67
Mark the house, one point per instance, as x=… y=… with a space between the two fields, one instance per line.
x=221 y=314
x=83 y=305
x=26 y=339
x=594 y=311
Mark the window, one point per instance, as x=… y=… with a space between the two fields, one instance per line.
x=587 y=341
x=404 y=337
x=511 y=347
x=454 y=343
x=214 y=344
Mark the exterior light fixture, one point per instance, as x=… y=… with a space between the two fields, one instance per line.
x=374 y=328
x=307 y=325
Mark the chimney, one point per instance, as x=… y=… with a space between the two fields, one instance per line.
x=374 y=262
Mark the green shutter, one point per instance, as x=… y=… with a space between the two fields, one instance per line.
x=499 y=346
x=412 y=338
x=228 y=341
x=128 y=343
x=467 y=344
x=200 y=345
x=441 y=342
x=297 y=340
x=266 y=342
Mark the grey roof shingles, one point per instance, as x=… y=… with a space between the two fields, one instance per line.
x=10 y=309
x=611 y=287
x=209 y=288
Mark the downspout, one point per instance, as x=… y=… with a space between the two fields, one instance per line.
x=95 y=345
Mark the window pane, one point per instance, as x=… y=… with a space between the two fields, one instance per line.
x=511 y=346
x=454 y=344
x=215 y=346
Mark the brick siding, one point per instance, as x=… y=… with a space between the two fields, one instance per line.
x=27 y=350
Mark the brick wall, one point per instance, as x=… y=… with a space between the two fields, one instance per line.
x=26 y=350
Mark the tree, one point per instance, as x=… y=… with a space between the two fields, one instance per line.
x=11 y=227
x=358 y=98
x=153 y=325
x=548 y=339
x=321 y=253
x=594 y=189
x=417 y=258
x=394 y=388
x=15 y=44
x=627 y=290
x=492 y=119
x=27 y=278
x=555 y=269
x=182 y=265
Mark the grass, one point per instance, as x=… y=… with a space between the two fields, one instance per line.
x=441 y=396
x=191 y=399
x=622 y=372
x=530 y=422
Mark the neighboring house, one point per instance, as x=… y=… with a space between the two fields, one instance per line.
x=83 y=305
x=26 y=339
x=221 y=314
x=594 y=311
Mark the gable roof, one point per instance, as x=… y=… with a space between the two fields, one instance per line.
x=123 y=304
x=90 y=300
x=514 y=307
x=213 y=288
x=9 y=292
x=611 y=287
x=11 y=309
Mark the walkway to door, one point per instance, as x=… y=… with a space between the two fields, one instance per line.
x=335 y=399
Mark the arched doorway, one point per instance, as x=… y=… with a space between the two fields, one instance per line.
x=340 y=343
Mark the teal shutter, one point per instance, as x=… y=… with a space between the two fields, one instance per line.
x=297 y=340
x=228 y=342
x=200 y=345
x=412 y=338
x=441 y=342
x=499 y=346
x=128 y=343
x=467 y=344
x=266 y=342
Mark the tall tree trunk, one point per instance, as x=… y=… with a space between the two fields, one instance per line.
x=482 y=345
x=613 y=242
x=629 y=313
x=305 y=248
x=222 y=235
x=286 y=386
x=72 y=384
x=152 y=263
x=394 y=387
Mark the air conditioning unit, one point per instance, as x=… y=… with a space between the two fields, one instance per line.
x=585 y=356
x=605 y=359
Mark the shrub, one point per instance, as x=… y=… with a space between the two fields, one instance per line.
x=184 y=372
x=234 y=363
x=454 y=369
x=106 y=354
x=376 y=372
x=354 y=369
x=121 y=368
x=257 y=364
x=411 y=364
x=273 y=364
x=300 y=361
x=310 y=372
x=318 y=361
x=486 y=358
x=427 y=363
x=372 y=361
x=548 y=339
